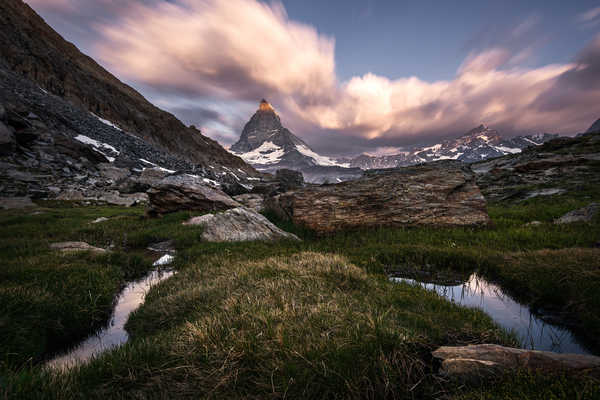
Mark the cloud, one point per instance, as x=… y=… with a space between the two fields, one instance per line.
x=239 y=51
x=589 y=15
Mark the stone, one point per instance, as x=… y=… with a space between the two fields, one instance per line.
x=7 y=141
x=113 y=173
x=168 y=246
x=289 y=179
x=8 y=203
x=253 y=201
x=187 y=192
x=164 y=260
x=236 y=225
x=534 y=223
x=98 y=220
x=76 y=246
x=585 y=214
x=485 y=359
x=434 y=194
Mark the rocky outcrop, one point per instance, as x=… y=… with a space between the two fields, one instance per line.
x=76 y=246
x=490 y=359
x=238 y=225
x=585 y=214
x=34 y=50
x=558 y=166
x=436 y=194
x=289 y=179
x=187 y=192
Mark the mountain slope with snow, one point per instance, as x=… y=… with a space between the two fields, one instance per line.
x=268 y=146
x=478 y=144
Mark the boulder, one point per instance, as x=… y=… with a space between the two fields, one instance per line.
x=435 y=194
x=489 y=359
x=253 y=201
x=187 y=192
x=113 y=173
x=237 y=225
x=585 y=214
x=76 y=246
x=289 y=179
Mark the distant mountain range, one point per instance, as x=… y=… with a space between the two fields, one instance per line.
x=267 y=145
x=478 y=144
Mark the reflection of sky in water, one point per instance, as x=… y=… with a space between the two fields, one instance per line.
x=532 y=331
x=114 y=334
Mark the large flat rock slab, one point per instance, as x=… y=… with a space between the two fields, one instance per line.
x=435 y=194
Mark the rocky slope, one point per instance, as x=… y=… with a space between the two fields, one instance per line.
x=34 y=50
x=268 y=145
x=557 y=166
x=478 y=144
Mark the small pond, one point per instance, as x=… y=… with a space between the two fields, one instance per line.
x=114 y=334
x=532 y=331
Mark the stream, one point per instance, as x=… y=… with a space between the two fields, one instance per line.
x=114 y=334
x=532 y=331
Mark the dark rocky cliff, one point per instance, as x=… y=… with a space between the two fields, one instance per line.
x=33 y=49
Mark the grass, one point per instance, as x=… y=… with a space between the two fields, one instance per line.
x=316 y=318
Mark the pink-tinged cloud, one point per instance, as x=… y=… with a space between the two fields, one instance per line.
x=244 y=50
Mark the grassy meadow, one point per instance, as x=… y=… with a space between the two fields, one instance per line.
x=310 y=319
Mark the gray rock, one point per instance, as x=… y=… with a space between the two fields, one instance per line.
x=187 y=192
x=289 y=179
x=252 y=201
x=236 y=225
x=113 y=173
x=76 y=246
x=534 y=223
x=585 y=214
x=483 y=359
x=98 y=220
x=8 y=203
x=435 y=194
x=168 y=246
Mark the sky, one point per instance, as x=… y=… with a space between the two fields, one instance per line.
x=350 y=76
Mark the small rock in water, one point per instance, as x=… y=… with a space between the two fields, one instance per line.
x=98 y=220
x=76 y=246
x=164 y=260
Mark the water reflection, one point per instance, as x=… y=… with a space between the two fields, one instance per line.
x=113 y=335
x=533 y=332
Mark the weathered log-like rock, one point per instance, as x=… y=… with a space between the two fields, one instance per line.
x=187 y=192
x=76 y=246
x=236 y=225
x=438 y=194
x=489 y=359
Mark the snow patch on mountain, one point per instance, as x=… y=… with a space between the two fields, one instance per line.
x=266 y=154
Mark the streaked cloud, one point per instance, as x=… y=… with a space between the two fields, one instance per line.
x=242 y=50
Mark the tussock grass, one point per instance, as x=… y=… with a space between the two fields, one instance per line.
x=310 y=325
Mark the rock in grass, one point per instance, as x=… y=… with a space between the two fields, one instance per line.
x=186 y=192
x=238 y=225
x=8 y=203
x=435 y=194
x=488 y=359
x=76 y=246
x=585 y=214
x=98 y=220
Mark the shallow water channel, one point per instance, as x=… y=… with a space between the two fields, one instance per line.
x=533 y=332
x=114 y=334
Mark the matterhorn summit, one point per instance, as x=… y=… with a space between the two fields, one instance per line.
x=268 y=146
